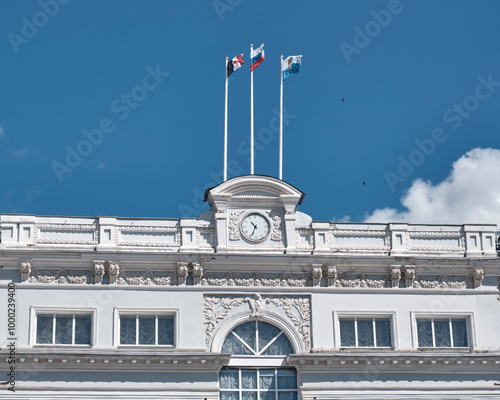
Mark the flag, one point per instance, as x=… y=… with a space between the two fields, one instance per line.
x=234 y=64
x=290 y=65
x=257 y=57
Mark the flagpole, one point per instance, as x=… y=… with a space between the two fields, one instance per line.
x=251 y=113
x=225 y=129
x=281 y=118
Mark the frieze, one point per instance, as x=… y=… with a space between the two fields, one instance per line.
x=255 y=279
x=164 y=278
x=61 y=276
x=68 y=227
x=362 y=280
x=345 y=232
x=296 y=309
x=149 y=229
x=436 y=234
x=442 y=281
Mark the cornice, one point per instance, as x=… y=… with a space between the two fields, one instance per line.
x=397 y=361
x=120 y=359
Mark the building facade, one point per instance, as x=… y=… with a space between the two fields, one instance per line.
x=252 y=300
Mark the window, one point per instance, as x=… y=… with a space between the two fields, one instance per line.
x=153 y=330
x=258 y=384
x=365 y=332
x=258 y=339
x=442 y=332
x=72 y=329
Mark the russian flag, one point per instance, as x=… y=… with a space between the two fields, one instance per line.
x=257 y=57
x=291 y=65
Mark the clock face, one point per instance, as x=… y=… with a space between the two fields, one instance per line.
x=255 y=227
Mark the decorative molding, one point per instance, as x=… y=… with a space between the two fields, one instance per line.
x=395 y=275
x=317 y=274
x=478 y=276
x=276 y=234
x=68 y=227
x=358 y=233
x=351 y=280
x=299 y=311
x=255 y=279
x=182 y=273
x=92 y=228
x=114 y=272
x=296 y=309
x=441 y=281
x=409 y=274
x=61 y=276
x=435 y=234
x=149 y=278
x=98 y=271
x=197 y=273
x=305 y=233
x=216 y=309
x=331 y=274
x=234 y=232
x=149 y=229
x=25 y=271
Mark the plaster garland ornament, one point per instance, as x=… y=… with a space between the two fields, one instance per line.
x=234 y=232
x=350 y=280
x=478 y=276
x=60 y=276
x=182 y=273
x=113 y=272
x=25 y=271
x=98 y=271
x=276 y=234
x=395 y=275
x=147 y=278
x=296 y=309
x=255 y=279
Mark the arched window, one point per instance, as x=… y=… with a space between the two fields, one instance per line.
x=257 y=338
x=246 y=379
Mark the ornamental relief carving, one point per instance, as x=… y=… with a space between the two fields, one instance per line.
x=255 y=279
x=294 y=308
x=77 y=277
x=234 y=231
x=147 y=278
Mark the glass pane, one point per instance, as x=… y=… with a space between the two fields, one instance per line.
x=64 y=329
x=459 y=327
x=442 y=333
x=287 y=395
x=83 y=329
x=424 y=332
x=248 y=395
x=280 y=347
x=166 y=330
x=365 y=333
x=229 y=396
x=233 y=345
x=44 y=325
x=347 y=335
x=383 y=330
x=248 y=379
x=146 y=330
x=246 y=332
x=287 y=379
x=268 y=395
x=127 y=330
x=229 y=379
x=267 y=332
x=266 y=379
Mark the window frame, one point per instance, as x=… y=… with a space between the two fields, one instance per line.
x=365 y=314
x=145 y=312
x=36 y=311
x=259 y=390
x=468 y=316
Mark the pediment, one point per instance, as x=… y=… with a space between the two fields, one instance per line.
x=253 y=188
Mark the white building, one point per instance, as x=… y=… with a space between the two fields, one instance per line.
x=252 y=300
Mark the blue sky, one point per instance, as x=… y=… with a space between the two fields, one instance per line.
x=419 y=81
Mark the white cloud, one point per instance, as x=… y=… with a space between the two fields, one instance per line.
x=470 y=194
x=20 y=154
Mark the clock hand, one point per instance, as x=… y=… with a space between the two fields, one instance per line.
x=254 y=228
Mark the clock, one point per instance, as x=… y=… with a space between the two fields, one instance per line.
x=255 y=227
